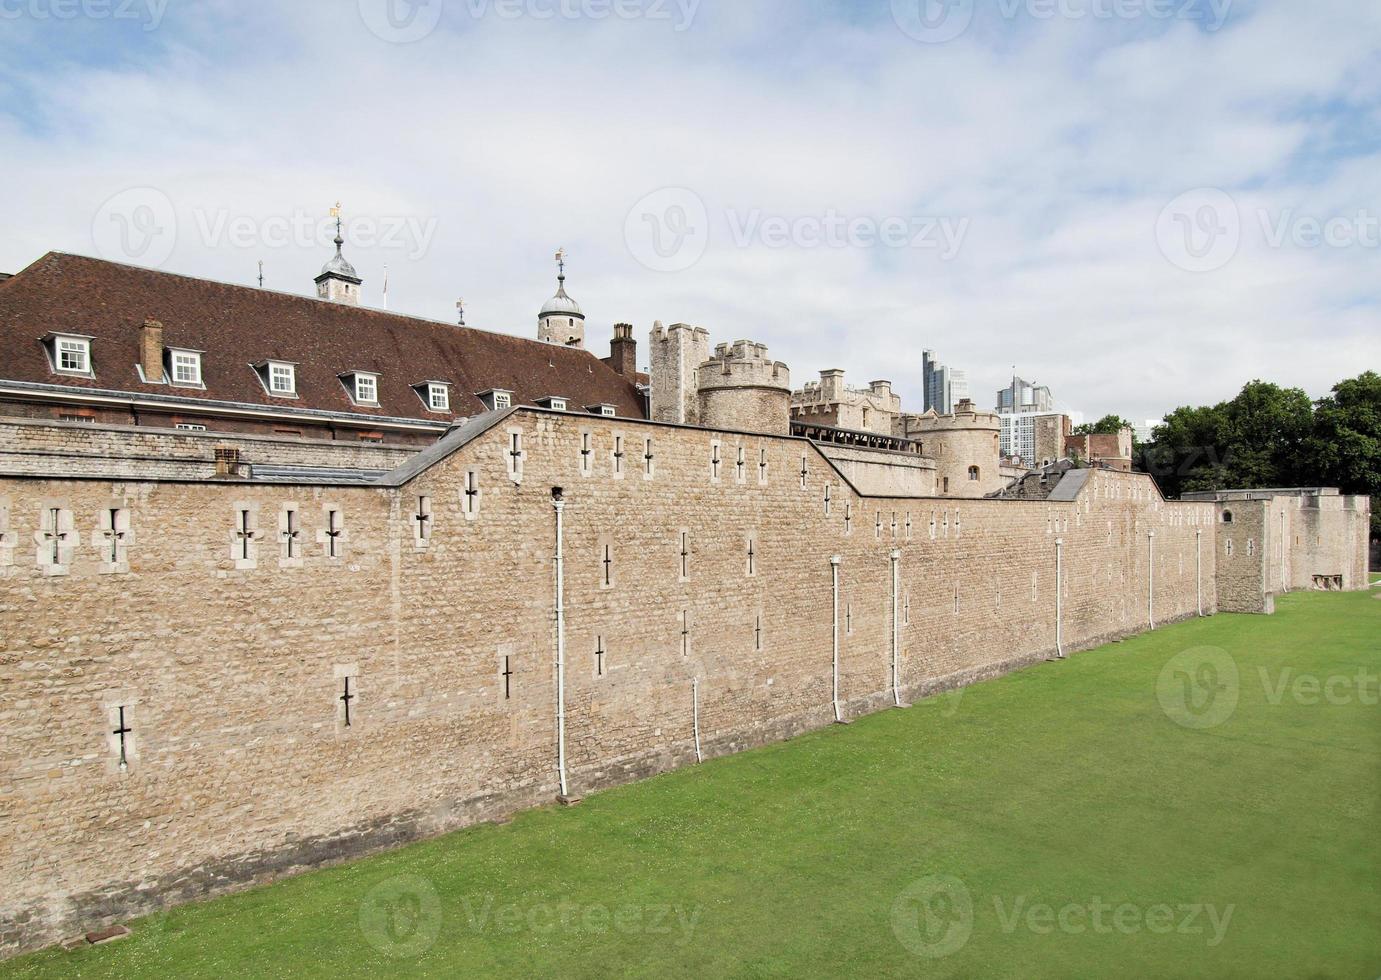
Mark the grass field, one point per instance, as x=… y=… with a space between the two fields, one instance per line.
x=1202 y=801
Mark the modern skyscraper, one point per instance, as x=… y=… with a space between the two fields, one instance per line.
x=944 y=388
x=1022 y=397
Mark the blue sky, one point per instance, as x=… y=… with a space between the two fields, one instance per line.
x=1141 y=203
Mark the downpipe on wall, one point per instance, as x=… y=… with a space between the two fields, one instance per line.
x=558 y=502
x=896 y=629
x=834 y=623
x=1151 y=578
x=1059 y=598
x=1199 y=570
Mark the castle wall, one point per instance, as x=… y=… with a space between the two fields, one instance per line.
x=1245 y=546
x=881 y=472
x=676 y=352
x=241 y=767
x=38 y=447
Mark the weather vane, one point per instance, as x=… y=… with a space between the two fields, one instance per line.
x=460 y=307
x=561 y=262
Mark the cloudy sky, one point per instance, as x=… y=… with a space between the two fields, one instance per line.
x=1141 y=203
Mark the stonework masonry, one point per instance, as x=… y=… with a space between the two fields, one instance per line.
x=177 y=651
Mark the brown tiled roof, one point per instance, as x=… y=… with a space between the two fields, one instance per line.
x=237 y=326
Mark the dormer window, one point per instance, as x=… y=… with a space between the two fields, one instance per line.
x=279 y=378
x=554 y=402
x=367 y=389
x=69 y=353
x=606 y=410
x=496 y=399
x=186 y=368
x=439 y=397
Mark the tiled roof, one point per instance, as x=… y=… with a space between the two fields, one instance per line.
x=237 y=326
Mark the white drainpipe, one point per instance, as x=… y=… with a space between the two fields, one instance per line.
x=695 y=717
x=896 y=629
x=1151 y=578
x=1199 y=568
x=560 y=504
x=1059 y=598
x=834 y=576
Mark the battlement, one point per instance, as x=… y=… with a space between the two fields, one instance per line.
x=743 y=364
x=662 y=335
x=965 y=418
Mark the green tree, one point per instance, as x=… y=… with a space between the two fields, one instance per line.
x=1345 y=446
x=1108 y=425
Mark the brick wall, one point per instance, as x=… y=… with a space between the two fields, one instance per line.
x=240 y=766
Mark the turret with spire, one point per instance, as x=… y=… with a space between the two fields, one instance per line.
x=561 y=320
x=338 y=282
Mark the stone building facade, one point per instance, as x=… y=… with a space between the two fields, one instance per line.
x=831 y=402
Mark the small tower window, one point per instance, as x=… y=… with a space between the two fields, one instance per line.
x=973 y=472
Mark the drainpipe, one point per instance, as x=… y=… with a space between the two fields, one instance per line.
x=1151 y=578
x=695 y=716
x=559 y=503
x=1199 y=568
x=896 y=629
x=834 y=577
x=1059 y=598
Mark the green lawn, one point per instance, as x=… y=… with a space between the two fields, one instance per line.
x=1064 y=821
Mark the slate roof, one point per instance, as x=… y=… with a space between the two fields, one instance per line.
x=237 y=326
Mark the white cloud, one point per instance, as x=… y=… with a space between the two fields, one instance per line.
x=1059 y=142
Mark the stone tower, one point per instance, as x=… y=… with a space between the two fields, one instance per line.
x=965 y=447
x=338 y=282
x=561 y=320
x=676 y=353
x=740 y=387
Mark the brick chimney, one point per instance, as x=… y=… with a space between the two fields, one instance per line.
x=151 y=351
x=623 y=351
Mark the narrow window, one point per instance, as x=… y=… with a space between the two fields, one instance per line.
x=752 y=557
x=647 y=458
x=515 y=456
x=599 y=656
x=507 y=675
x=121 y=732
x=762 y=465
x=422 y=520
x=714 y=461
x=685 y=555
x=607 y=562
x=805 y=471
x=848 y=517
x=618 y=456
x=757 y=633
x=587 y=454
x=115 y=531
x=471 y=494
x=973 y=472
x=877 y=527
x=739 y=465
x=346 y=697
x=685 y=632
x=828 y=501
x=245 y=534
x=849 y=619
x=333 y=532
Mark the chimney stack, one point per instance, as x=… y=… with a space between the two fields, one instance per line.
x=151 y=351
x=623 y=351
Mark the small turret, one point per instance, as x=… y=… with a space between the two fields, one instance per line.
x=561 y=320
x=338 y=282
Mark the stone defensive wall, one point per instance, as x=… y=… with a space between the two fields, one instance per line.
x=209 y=683
x=40 y=447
